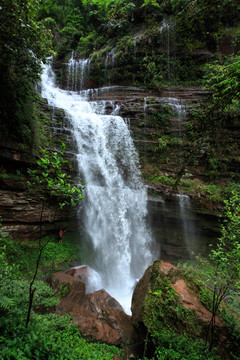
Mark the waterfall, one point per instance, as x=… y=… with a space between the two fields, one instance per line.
x=179 y=109
x=110 y=59
x=115 y=199
x=78 y=70
x=145 y=108
x=189 y=229
x=135 y=47
x=167 y=31
x=177 y=105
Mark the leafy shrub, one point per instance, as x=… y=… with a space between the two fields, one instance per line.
x=161 y=144
x=173 y=346
x=51 y=337
x=166 y=320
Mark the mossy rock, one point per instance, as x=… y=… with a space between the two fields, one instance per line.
x=163 y=302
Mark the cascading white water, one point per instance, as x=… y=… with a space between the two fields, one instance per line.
x=179 y=109
x=177 y=105
x=77 y=72
x=110 y=59
x=189 y=229
x=167 y=33
x=115 y=204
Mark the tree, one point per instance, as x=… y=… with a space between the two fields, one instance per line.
x=226 y=260
x=223 y=82
x=52 y=182
x=24 y=43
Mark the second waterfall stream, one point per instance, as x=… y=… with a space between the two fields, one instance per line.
x=115 y=199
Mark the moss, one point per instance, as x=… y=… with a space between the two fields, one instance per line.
x=56 y=256
x=63 y=290
x=162 y=308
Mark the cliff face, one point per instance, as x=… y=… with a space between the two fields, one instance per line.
x=162 y=124
x=23 y=210
x=158 y=123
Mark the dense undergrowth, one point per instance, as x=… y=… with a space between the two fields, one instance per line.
x=48 y=335
x=172 y=331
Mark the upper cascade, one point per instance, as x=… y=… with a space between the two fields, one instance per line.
x=78 y=70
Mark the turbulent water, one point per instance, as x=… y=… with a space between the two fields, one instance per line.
x=115 y=204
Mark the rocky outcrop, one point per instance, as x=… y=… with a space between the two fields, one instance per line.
x=98 y=315
x=22 y=214
x=162 y=295
x=151 y=295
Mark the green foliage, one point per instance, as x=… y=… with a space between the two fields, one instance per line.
x=163 y=179
x=222 y=276
x=14 y=292
x=198 y=22
x=223 y=80
x=222 y=109
x=120 y=17
x=231 y=320
x=52 y=337
x=23 y=45
x=89 y=42
x=52 y=180
x=48 y=336
x=219 y=114
x=167 y=321
x=161 y=144
x=226 y=255
x=153 y=73
x=150 y=3
x=21 y=257
x=172 y=346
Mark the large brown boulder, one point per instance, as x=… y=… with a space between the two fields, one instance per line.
x=141 y=290
x=162 y=300
x=91 y=277
x=98 y=315
x=101 y=317
x=71 y=291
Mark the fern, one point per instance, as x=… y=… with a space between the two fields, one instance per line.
x=5 y=303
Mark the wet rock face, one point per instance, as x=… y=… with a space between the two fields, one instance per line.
x=21 y=214
x=98 y=315
x=21 y=210
x=91 y=278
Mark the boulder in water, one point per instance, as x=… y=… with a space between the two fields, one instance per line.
x=82 y=272
x=98 y=315
x=91 y=277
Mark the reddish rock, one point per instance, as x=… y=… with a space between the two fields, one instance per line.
x=98 y=315
x=102 y=318
x=71 y=290
x=190 y=300
x=139 y=294
x=187 y=297
x=142 y=288
x=82 y=272
x=117 y=357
